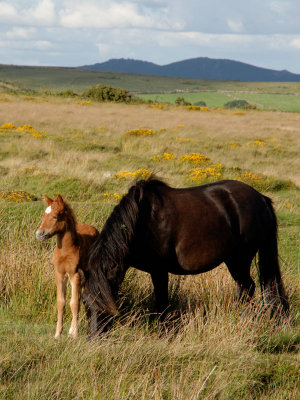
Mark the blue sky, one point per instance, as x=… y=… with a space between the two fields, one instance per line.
x=265 y=33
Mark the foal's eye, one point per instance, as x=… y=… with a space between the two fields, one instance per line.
x=54 y=217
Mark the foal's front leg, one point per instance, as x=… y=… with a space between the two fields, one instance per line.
x=75 y=280
x=61 y=285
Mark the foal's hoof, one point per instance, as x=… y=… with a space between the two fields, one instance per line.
x=73 y=333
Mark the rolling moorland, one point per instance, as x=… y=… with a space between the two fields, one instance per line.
x=90 y=152
x=283 y=96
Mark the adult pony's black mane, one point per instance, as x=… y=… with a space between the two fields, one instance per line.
x=112 y=247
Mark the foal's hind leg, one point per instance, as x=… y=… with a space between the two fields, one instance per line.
x=75 y=280
x=239 y=268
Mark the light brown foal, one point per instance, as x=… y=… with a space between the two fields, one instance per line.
x=70 y=256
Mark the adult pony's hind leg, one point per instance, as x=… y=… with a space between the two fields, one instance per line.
x=239 y=268
x=61 y=285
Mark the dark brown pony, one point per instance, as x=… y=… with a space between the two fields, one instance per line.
x=70 y=256
x=159 y=229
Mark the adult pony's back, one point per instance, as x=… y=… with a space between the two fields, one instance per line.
x=159 y=229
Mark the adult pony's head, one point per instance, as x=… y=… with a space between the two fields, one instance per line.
x=109 y=254
x=57 y=218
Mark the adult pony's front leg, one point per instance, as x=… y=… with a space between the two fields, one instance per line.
x=75 y=280
x=92 y=313
x=61 y=285
x=160 y=282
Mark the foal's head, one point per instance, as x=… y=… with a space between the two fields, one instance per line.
x=56 y=218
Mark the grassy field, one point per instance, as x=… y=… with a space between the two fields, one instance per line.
x=90 y=153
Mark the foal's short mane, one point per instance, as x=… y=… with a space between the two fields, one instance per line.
x=70 y=220
x=112 y=247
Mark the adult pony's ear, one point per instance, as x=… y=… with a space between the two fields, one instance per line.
x=48 y=200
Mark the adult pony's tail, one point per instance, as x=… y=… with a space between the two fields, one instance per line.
x=270 y=276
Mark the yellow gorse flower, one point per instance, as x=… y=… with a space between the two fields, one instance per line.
x=17 y=196
x=36 y=135
x=28 y=169
x=25 y=128
x=253 y=179
x=140 y=132
x=256 y=143
x=140 y=173
x=195 y=158
x=197 y=108
x=83 y=103
x=197 y=175
x=164 y=157
x=233 y=144
x=158 y=106
x=8 y=126
x=108 y=197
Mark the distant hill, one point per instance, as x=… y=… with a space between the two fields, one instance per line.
x=201 y=68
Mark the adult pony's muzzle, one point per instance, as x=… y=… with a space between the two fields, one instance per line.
x=42 y=235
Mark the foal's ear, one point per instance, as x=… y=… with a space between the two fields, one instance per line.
x=48 y=200
x=60 y=200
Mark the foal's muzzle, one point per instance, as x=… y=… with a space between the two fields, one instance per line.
x=42 y=235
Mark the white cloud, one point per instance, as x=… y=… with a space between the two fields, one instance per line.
x=20 y=33
x=235 y=25
x=110 y=15
x=7 y=10
x=295 y=43
x=103 y=49
x=44 y=13
x=174 y=39
x=41 y=45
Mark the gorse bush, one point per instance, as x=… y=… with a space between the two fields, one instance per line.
x=108 y=93
x=181 y=102
x=200 y=103
x=240 y=104
x=67 y=93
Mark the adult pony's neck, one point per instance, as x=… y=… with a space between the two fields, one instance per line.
x=110 y=252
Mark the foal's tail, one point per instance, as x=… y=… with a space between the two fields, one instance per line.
x=270 y=276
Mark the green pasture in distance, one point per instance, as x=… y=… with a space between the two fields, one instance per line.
x=282 y=102
x=212 y=99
